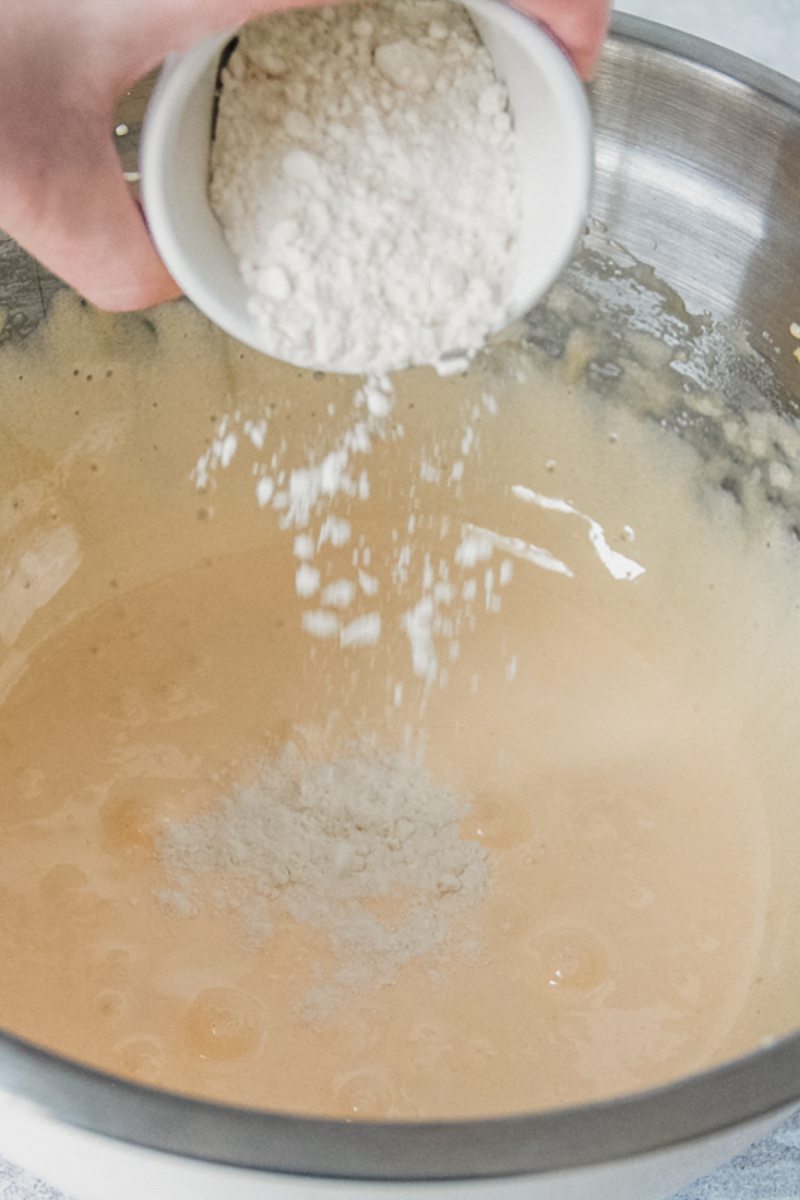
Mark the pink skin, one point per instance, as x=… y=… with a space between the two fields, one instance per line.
x=62 y=195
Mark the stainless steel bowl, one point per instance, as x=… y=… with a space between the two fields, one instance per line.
x=698 y=178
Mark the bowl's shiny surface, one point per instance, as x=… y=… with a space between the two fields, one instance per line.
x=698 y=177
x=698 y=174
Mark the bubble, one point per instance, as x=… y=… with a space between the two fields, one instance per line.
x=367 y=1093
x=570 y=960
x=224 y=1025
x=429 y=1042
x=113 y=965
x=110 y=1005
x=142 y=1058
x=498 y=822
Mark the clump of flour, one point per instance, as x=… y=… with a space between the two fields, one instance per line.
x=323 y=842
x=365 y=173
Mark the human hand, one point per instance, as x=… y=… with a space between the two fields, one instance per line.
x=62 y=193
x=579 y=25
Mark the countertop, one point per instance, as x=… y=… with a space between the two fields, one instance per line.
x=769 y=31
x=766 y=30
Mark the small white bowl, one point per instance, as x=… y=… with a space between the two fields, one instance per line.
x=554 y=135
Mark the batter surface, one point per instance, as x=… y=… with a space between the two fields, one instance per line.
x=621 y=734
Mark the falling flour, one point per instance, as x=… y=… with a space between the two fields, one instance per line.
x=365 y=173
x=322 y=842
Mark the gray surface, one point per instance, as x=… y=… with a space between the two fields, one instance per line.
x=19 y=1185
x=770 y=1171
x=768 y=30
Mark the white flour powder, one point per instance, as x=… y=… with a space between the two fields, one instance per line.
x=365 y=174
x=324 y=841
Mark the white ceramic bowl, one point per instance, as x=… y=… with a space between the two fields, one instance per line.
x=554 y=137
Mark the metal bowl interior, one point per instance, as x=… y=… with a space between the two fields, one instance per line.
x=698 y=178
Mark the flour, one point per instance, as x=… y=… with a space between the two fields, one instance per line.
x=322 y=842
x=339 y=594
x=364 y=171
x=364 y=631
x=341 y=608
x=307 y=581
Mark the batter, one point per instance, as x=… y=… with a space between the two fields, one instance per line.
x=623 y=739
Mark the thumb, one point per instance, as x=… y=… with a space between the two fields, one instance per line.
x=579 y=25
x=176 y=25
x=77 y=216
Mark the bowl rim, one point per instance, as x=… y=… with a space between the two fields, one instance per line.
x=756 y=1086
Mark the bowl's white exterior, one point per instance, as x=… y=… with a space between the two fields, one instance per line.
x=88 y=1167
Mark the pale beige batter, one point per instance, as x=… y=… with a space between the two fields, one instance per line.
x=627 y=746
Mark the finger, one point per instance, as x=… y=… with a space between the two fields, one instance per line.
x=579 y=25
x=82 y=223
x=175 y=27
